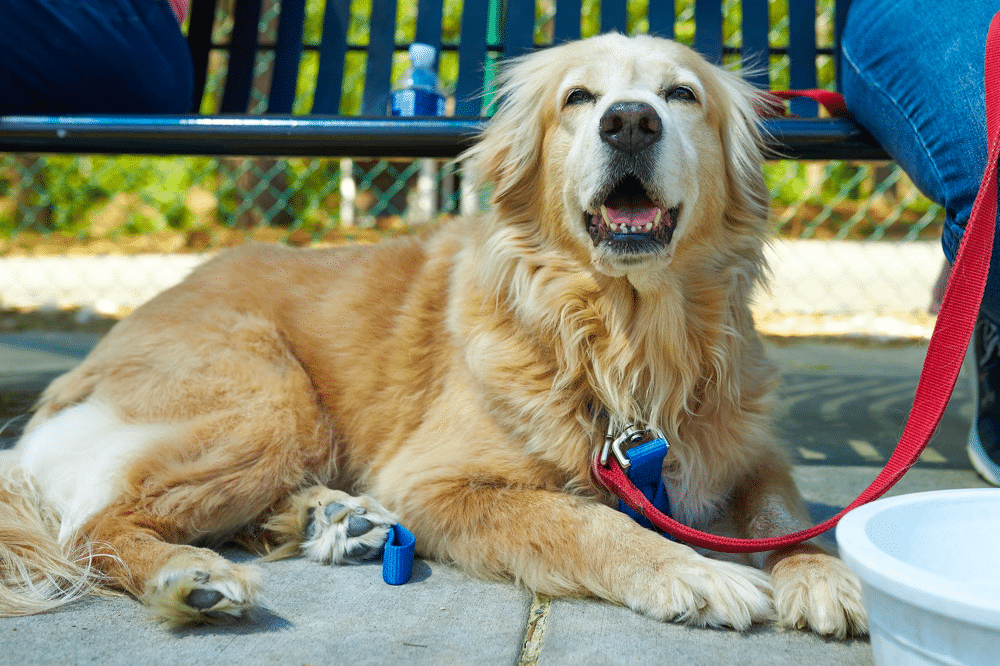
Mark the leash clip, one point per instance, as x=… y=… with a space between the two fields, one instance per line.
x=628 y=438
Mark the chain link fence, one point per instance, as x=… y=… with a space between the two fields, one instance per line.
x=61 y=206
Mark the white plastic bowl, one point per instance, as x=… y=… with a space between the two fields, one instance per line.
x=930 y=570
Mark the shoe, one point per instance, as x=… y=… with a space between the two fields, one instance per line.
x=984 y=435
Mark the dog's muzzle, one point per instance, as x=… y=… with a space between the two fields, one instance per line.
x=625 y=215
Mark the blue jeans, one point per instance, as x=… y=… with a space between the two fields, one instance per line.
x=912 y=74
x=93 y=56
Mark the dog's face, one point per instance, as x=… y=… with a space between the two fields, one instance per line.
x=634 y=139
x=626 y=148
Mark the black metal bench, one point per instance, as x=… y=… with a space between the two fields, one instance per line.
x=490 y=29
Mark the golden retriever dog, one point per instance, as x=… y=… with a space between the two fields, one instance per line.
x=459 y=382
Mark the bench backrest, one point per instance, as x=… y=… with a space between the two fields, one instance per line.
x=266 y=35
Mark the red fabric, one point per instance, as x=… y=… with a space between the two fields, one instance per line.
x=180 y=8
x=945 y=352
x=833 y=102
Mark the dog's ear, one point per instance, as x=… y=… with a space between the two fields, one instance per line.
x=740 y=109
x=507 y=155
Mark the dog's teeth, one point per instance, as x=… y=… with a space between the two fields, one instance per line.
x=630 y=227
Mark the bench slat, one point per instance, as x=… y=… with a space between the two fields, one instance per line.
x=756 y=52
x=839 y=20
x=199 y=40
x=802 y=53
x=614 y=16
x=242 y=57
x=429 y=15
x=661 y=19
x=287 y=56
x=471 y=56
x=708 y=29
x=519 y=28
x=332 y=52
x=567 y=23
x=381 y=47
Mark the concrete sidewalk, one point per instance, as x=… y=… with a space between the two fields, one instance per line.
x=840 y=411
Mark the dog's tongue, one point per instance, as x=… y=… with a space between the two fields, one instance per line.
x=633 y=217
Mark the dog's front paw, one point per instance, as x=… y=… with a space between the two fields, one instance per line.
x=342 y=529
x=706 y=592
x=817 y=591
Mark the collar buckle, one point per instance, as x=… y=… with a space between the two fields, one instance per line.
x=620 y=443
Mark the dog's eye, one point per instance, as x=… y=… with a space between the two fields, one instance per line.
x=578 y=96
x=681 y=94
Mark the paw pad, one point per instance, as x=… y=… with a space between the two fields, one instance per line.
x=356 y=526
x=211 y=590
x=203 y=599
x=346 y=531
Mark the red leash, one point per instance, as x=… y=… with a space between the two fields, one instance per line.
x=947 y=347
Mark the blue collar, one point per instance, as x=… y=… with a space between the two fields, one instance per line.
x=643 y=464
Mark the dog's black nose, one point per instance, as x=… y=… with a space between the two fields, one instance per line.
x=631 y=126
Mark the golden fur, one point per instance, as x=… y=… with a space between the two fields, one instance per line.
x=463 y=380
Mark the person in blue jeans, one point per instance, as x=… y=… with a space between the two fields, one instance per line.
x=912 y=74
x=94 y=56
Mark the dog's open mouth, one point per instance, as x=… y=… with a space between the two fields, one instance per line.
x=630 y=221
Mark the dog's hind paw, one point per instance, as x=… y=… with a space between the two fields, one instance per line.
x=342 y=529
x=198 y=590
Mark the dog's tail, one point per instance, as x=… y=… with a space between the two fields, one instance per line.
x=37 y=572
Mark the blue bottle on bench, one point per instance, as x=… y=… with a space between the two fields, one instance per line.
x=417 y=92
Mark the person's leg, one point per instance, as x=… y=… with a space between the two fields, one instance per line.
x=99 y=56
x=984 y=435
x=912 y=73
